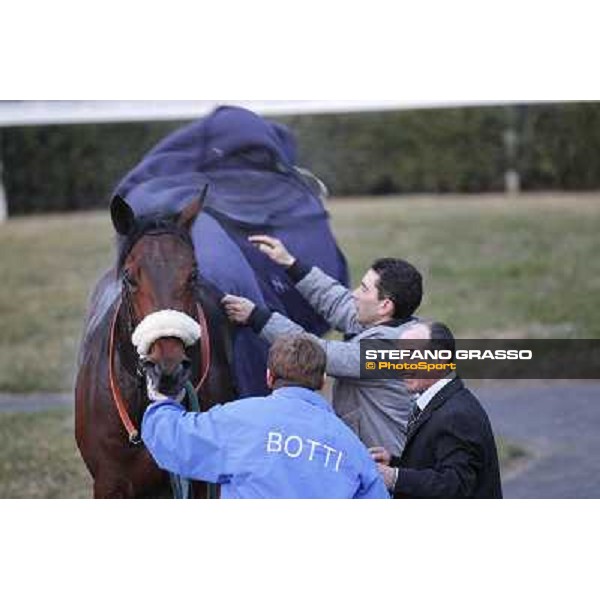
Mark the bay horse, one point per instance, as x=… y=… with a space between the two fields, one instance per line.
x=156 y=270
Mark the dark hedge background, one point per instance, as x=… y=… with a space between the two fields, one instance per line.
x=557 y=146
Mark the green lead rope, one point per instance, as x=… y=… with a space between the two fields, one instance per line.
x=180 y=486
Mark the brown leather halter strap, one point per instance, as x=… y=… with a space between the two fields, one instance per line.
x=132 y=431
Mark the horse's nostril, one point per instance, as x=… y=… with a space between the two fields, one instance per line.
x=182 y=370
x=168 y=380
x=148 y=366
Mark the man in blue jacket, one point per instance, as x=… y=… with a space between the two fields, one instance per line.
x=289 y=444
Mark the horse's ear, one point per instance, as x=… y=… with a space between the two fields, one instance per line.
x=122 y=216
x=192 y=210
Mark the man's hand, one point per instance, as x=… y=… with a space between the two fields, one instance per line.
x=273 y=248
x=237 y=308
x=380 y=455
x=390 y=476
x=155 y=396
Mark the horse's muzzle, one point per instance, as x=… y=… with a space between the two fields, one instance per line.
x=168 y=381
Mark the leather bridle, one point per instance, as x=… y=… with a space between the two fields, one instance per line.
x=132 y=431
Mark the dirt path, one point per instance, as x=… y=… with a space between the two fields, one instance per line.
x=558 y=424
x=33 y=402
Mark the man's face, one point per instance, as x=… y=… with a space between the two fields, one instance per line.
x=371 y=310
x=417 y=332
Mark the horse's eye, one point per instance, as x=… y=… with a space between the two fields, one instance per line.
x=193 y=278
x=129 y=280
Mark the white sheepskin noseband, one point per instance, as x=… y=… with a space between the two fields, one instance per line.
x=164 y=323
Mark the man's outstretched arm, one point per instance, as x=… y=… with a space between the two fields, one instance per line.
x=343 y=358
x=326 y=296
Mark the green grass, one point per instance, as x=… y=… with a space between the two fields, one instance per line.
x=47 y=270
x=492 y=266
x=39 y=458
x=507 y=268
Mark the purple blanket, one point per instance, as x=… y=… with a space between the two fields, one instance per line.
x=254 y=187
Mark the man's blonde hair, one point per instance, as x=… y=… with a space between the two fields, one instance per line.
x=297 y=360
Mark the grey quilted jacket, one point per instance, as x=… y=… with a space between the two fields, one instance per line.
x=376 y=410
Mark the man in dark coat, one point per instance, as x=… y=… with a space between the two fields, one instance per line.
x=450 y=450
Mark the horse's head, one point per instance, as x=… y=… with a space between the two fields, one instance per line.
x=158 y=274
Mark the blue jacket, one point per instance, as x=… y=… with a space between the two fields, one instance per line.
x=286 y=445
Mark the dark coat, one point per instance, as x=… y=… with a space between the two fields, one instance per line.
x=450 y=452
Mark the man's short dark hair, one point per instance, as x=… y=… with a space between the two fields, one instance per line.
x=401 y=283
x=297 y=360
x=441 y=337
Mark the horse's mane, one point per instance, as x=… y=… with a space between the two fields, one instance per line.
x=153 y=224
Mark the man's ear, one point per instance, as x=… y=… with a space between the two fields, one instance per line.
x=270 y=379
x=122 y=216
x=324 y=381
x=388 y=307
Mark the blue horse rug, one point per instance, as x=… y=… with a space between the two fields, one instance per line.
x=254 y=187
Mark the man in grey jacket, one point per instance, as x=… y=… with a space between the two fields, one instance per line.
x=382 y=306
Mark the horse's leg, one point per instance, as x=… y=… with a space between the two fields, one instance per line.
x=112 y=486
x=148 y=480
x=200 y=490
x=137 y=476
